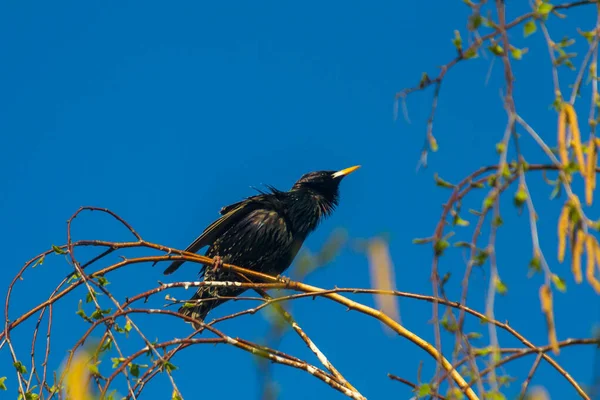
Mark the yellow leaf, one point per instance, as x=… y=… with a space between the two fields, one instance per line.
x=562 y=146
x=547 y=309
x=575 y=201
x=382 y=276
x=592 y=252
x=563 y=226
x=590 y=182
x=597 y=254
x=538 y=393
x=576 y=137
x=78 y=375
x=577 y=253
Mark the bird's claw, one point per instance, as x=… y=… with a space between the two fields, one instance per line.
x=284 y=279
x=217 y=262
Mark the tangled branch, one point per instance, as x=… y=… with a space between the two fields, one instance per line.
x=128 y=365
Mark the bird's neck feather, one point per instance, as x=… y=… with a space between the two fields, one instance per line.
x=307 y=210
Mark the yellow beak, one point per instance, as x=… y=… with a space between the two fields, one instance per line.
x=346 y=171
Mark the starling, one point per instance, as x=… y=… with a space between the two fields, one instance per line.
x=262 y=233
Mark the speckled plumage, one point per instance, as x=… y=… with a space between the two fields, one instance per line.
x=262 y=233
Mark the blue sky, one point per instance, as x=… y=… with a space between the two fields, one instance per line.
x=164 y=113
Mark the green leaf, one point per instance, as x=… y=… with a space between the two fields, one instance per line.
x=116 y=361
x=544 y=9
x=489 y=201
x=496 y=49
x=31 y=396
x=497 y=222
x=474 y=335
x=483 y=352
x=535 y=264
x=149 y=352
x=480 y=258
x=501 y=287
x=475 y=21
x=500 y=147
x=470 y=53
x=505 y=380
x=422 y=240
x=440 y=246
x=74 y=277
x=107 y=345
x=565 y=58
x=520 y=197
x=459 y=221
x=135 y=369
x=559 y=283
x=517 y=54
x=496 y=356
x=128 y=326
x=40 y=261
x=494 y=396
x=188 y=304
x=457 y=41
x=2 y=384
x=424 y=390
x=99 y=314
x=589 y=35
x=448 y=325
x=445 y=278
x=20 y=367
x=529 y=28
x=506 y=173
x=455 y=394
x=424 y=80
x=442 y=183
x=488 y=23
x=90 y=297
x=556 y=192
x=462 y=244
x=571 y=168
x=93 y=368
x=58 y=250
x=166 y=365
x=102 y=281
x=433 y=145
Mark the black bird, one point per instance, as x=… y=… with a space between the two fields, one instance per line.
x=262 y=233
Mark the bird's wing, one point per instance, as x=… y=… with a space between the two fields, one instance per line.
x=227 y=209
x=231 y=215
x=262 y=195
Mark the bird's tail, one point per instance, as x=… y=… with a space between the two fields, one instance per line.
x=197 y=310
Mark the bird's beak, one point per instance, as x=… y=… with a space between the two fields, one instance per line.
x=346 y=171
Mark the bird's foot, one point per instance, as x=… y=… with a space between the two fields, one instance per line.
x=217 y=262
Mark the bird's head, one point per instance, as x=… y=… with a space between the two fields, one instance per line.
x=323 y=187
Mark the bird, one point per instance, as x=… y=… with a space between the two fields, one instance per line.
x=262 y=233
